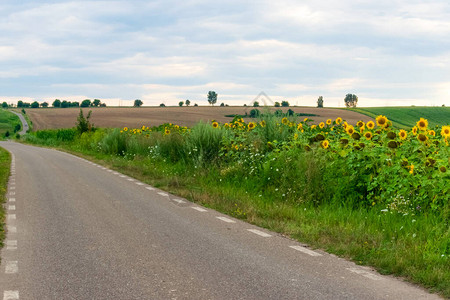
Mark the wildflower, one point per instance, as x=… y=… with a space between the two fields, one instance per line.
x=403 y=134
x=329 y=122
x=368 y=135
x=321 y=125
x=338 y=120
x=382 y=121
x=285 y=121
x=360 y=124
x=445 y=132
x=305 y=119
x=299 y=126
x=422 y=137
x=166 y=131
x=313 y=126
x=262 y=123
x=422 y=124
x=411 y=169
x=325 y=144
x=432 y=133
x=251 y=126
x=125 y=129
x=356 y=136
x=414 y=130
x=350 y=130
x=345 y=124
x=226 y=125
x=370 y=125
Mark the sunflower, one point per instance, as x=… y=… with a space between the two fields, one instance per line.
x=445 y=132
x=325 y=144
x=215 y=125
x=360 y=124
x=443 y=169
x=422 y=137
x=339 y=120
x=368 y=135
x=432 y=133
x=422 y=124
x=321 y=125
x=350 y=130
x=370 y=125
x=313 y=126
x=329 y=122
x=403 y=134
x=125 y=129
x=299 y=126
x=166 y=131
x=411 y=169
x=305 y=119
x=251 y=126
x=285 y=121
x=382 y=121
x=391 y=135
x=414 y=130
x=226 y=125
x=262 y=123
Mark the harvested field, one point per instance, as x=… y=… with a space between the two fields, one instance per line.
x=51 y=118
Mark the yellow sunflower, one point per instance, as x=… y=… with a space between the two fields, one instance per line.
x=414 y=130
x=305 y=119
x=321 y=125
x=262 y=123
x=445 y=132
x=285 y=121
x=432 y=133
x=422 y=124
x=329 y=122
x=125 y=129
x=251 y=126
x=368 y=135
x=360 y=124
x=403 y=134
x=382 y=121
x=167 y=131
x=370 y=125
x=422 y=137
x=313 y=126
x=338 y=120
x=325 y=144
x=215 y=125
x=350 y=129
x=299 y=126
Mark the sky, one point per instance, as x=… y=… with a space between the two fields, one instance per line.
x=387 y=52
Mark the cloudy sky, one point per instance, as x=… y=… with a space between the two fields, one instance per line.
x=387 y=52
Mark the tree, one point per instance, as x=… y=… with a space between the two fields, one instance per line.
x=180 y=103
x=255 y=104
x=187 y=102
x=75 y=104
x=284 y=103
x=195 y=104
x=20 y=103
x=85 y=103
x=44 y=104
x=254 y=113
x=351 y=100
x=96 y=102
x=83 y=123
x=138 y=103
x=290 y=112
x=162 y=105
x=35 y=104
x=212 y=97
x=320 y=101
x=5 y=105
x=56 y=103
x=277 y=104
x=65 y=104
x=222 y=104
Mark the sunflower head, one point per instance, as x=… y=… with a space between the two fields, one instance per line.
x=360 y=124
x=251 y=125
x=343 y=141
x=262 y=123
x=422 y=137
x=403 y=134
x=391 y=135
x=445 y=132
x=370 y=125
x=125 y=129
x=321 y=125
x=338 y=120
x=350 y=130
x=320 y=137
x=299 y=126
x=215 y=124
x=382 y=121
x=368 y=135
x=325 y=144
x=166 y=131
x=432 y=133
x=443 y=169
x=414 y=130
x=285 y=121
x=430 y=162
x=356 y=136
x=422 y=124
x=329 y=122
x=392 y=144
x=313 y=126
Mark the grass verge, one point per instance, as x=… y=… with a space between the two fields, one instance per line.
x=5 y=163
x=9 y=124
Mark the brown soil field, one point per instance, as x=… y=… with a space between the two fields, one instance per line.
x=132 y=117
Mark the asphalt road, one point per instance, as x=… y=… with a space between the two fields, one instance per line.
x=24 y=123
x=79 y=231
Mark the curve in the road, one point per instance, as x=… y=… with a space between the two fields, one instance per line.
x=25 y=126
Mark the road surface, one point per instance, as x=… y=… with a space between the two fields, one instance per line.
x=25 y=126
x=77 y=230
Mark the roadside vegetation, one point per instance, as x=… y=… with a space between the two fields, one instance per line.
x=406 y=117
x=9 y=124
x=5 y=162
x=367 y=191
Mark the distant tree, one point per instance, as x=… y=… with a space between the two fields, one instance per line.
x=44 y=104
x=75 y=104
x=20 y=103
x=290 y=112
x=181 y=103
x=83 y=123
x=255 y=104
x=284 y=103
x=23 y=111
x=162 y=105
x=5 y=105
x=56 y=103
x=212 y=97
x=278 y=113
x=35 y=104
x=65 y=104
x=195 y=104
x=85 y=103
x=26 y=104
x=277 y=104
x=96 y=102
x=351 y=100
x=187 y=102
x=102 y=104
x=320 y=101
x=254 y=113
x=138 y=103
x=222 y=104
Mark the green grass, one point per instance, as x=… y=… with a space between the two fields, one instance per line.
x=406 y=117
x=5 y=162
x=8 y=121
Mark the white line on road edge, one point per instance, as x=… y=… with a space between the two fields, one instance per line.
x=305 y=250
x=123 y=176
x=115 y=173
x=12 y=188
x=12 y=193
x=139 y=183
x=12 y=199
x=259 y=232
x=12 y=217
x=179 y=201
x=198 y=208
x=12 y=267
x=12 y=229
x=163 y=194
x=364 y=273
x=11 y=207
x=11 y=245
x=10 y=295
x=130 y=179
x=150 y=188
x=225 y=219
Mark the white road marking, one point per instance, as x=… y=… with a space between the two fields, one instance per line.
x=12 y=267
x=103 y=168
x=150 y=188
x=198 y=208
x=123 y=176
x=12 y=229
x=130 y=179
x=139 y=183
x=364 y=273
x=12 y=188
x=305 y=250
x=10 y=295
x=115 y=173
x=110 y=170
x=12 y=193
x=11 y=217
x=259 y=232
x=163 y=194
x=11 y=245
x=11 y=207
x=12 y=199
x=225 y=219
x=179 y=201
